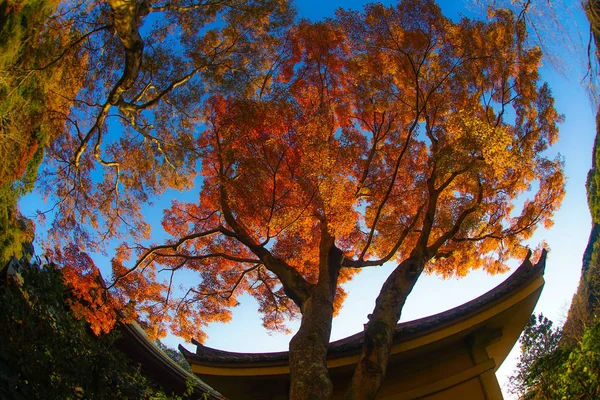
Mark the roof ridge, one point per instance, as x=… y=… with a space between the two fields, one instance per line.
x=521 y=277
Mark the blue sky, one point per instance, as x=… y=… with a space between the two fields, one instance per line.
x=566 y=240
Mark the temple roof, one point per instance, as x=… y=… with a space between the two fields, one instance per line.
x=161 y=368
x=520 y=278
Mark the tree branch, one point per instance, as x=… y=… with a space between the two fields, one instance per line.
x=175 y=246
x=461 y=218
x=210 y=255
x=348 y=263
x=294 y=284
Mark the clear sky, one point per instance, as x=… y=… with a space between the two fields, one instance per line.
x=566 y=240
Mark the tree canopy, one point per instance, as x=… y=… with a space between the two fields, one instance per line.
x=552 y=369
x=388 y=135
x=34 y=100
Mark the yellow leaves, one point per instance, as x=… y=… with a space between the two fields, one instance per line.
x=475 y=137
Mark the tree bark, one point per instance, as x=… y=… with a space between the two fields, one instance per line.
x=126 y=18
x=308 y=351
x=308 y=348
x=379 y=331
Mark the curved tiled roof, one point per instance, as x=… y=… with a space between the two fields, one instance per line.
x=522 y=276
x=155 y=363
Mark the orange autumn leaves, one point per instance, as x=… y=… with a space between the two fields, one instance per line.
x=393 y=130
x=89 y=301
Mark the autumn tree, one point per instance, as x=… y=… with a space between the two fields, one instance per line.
x=389 y=135
x=128 y=132
x=551 y=25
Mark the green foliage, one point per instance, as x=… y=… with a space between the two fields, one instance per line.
x=22 y=93
x=15 y=231
x=547 y=370
x=579 y=377
x=45 y=352
x=540 y=359
x=22 y=134
x=585 y=306
x=593 y=178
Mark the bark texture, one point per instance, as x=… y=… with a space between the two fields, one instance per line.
x=308 y=348
x=308 y=351
x=126 y=18
x=379 y=331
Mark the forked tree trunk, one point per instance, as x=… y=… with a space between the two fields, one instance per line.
x=308 y=348
x=370 y=370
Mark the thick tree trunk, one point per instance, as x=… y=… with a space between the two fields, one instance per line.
x=308 y=351
x=308 y=348
x=379 y=331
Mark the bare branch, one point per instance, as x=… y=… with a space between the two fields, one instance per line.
x=209 y=255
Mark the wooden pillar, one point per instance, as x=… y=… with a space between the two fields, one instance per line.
x=478 y=343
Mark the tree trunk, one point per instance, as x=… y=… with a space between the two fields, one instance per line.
x=379 y=331
x=308 y=348
x=308 y=352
